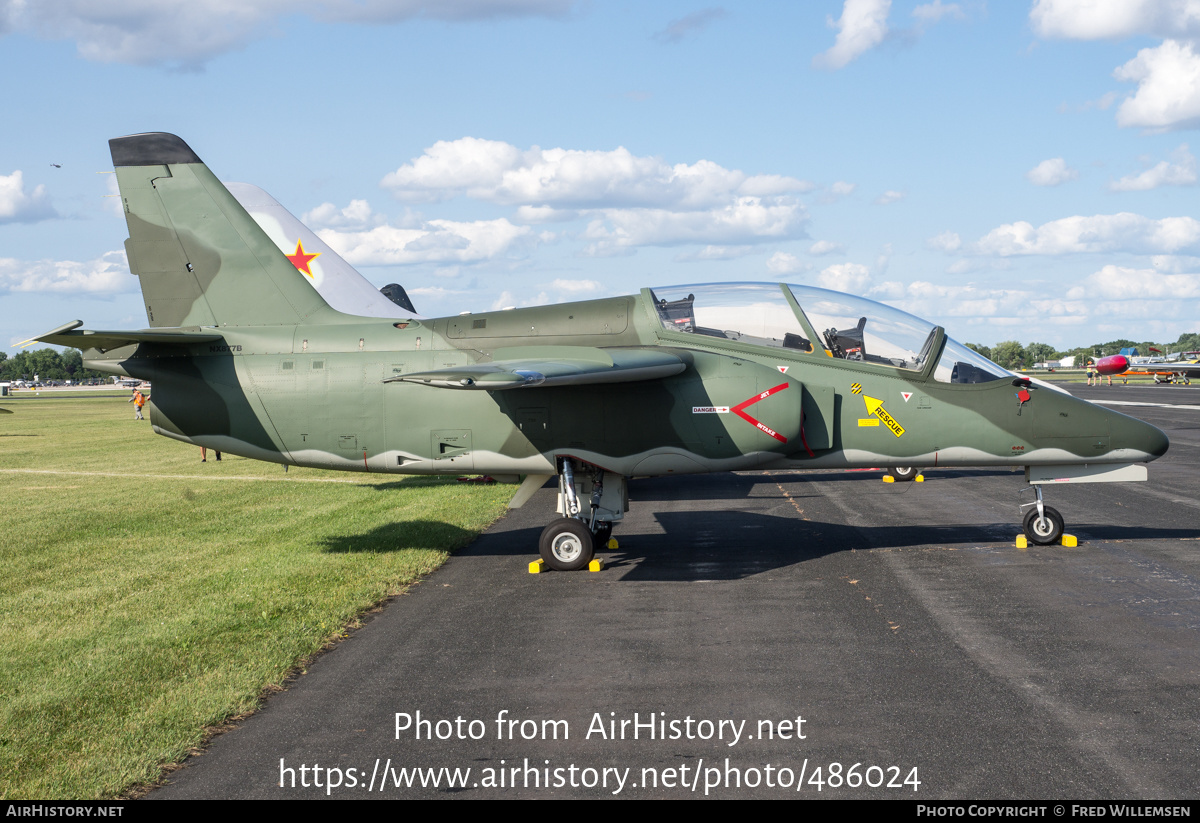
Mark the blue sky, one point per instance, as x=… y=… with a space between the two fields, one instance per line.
x=1009 y=171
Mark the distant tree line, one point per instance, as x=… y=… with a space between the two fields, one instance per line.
x=47 y=364
x=1012 y=355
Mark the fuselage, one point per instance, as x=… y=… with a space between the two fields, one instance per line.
x=314 y=395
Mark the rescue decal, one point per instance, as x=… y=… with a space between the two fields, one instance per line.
x=739 y=410
x=301 y=259
x=875 y=407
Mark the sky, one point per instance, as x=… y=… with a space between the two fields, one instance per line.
x=1008 y=171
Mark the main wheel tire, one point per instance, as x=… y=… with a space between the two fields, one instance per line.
x=1044 y=531
x=567 y=545
x=904 y=473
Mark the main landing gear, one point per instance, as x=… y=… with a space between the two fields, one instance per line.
x=569 y=543
x=1043 y=525
x=903 y=474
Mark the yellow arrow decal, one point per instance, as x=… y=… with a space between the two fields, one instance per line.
x=875 y=407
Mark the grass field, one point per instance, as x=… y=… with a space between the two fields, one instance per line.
x=147 y=595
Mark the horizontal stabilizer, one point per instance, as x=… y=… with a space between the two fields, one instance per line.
x=526 y=367
x=70 y=334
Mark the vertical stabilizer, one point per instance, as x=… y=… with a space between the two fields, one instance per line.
x=339 y=284
x=202 y=260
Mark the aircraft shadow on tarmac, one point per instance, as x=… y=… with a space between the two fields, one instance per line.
x=731 y=545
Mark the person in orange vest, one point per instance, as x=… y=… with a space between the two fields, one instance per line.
x=138 y=400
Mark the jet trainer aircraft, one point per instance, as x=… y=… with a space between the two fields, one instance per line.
x=246 y=357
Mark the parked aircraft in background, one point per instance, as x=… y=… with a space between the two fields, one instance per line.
x=1164 y=371
x=247 y=357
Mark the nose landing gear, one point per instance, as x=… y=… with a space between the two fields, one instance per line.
x=1043 y=525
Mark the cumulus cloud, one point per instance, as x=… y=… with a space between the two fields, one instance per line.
x=187 y=33
x=781 y=263
x=825 y=247
x=435 y=241
x=890 y=196
x=848 y=277
x=970 y=265
x=930 y=13
x=628 y=200
x=715 y=253
x=1175 y=263
x=1124 y=232
x=745 y=220
x=837 y=191
x=1121 y=283
x=576 y=286
x=498 y=172
x=1052 y=172
x=1113 y=19
x=1168 y=93
x=975 y=305
x=357 y=215
x=107 y=274
x=19 y=206
x=689 y=25
x=1167 y=75
x=946 y=241
x=1180 y=172
x=862 y=27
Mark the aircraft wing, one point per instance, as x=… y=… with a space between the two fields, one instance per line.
x=69 y=334
x=529 y=366
x=1187 y=369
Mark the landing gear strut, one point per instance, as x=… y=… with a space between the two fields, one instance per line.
x=570 y=542
x=1043 y=525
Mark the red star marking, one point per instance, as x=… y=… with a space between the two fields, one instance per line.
x=301 y=260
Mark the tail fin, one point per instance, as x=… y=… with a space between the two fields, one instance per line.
x=340 y=285
x=202 y=259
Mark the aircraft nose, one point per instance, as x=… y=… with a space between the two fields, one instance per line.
x=1144 y=438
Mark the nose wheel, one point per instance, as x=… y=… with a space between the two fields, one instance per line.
x=1043 y=525
x=1045 y=528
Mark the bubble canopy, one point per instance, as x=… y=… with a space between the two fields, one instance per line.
x=819 y=322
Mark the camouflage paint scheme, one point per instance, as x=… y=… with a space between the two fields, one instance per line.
x=244 y=356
